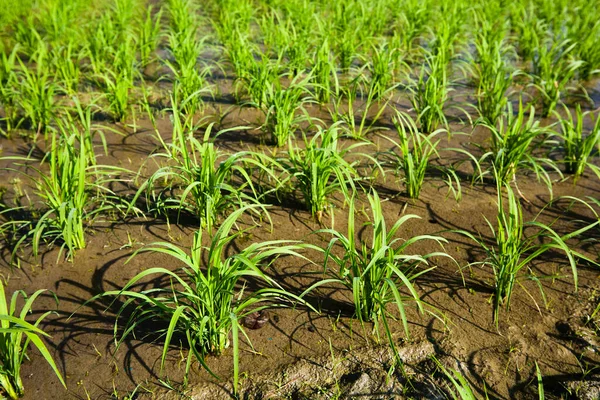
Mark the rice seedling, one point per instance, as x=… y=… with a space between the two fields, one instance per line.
x=346 y=37
x=514 y=250
x=208 y=296
x=189 y=81
x=186 y=48
x=258 y=79
x=376 y=18
x=239 y=52
x=430 y=93
x=416 y=152
x=82 y=122
x=65 y=61
x=182 y=15
x=491 y=71
x=528 y=29
x=540 y=382
x=72 y=192
x=577 y=147
x=233 y=19
x=117 y=88
x=461 y=389
x=103 y=39
x=354 y=91
x=36 y=97
x=8 y=91
x=381 y=67
x=446 y=34
x=27 y=35
x=149 y=35
x=375 y=272
x=58 y=21
x=584 y=31
x=199 y=178
x=413 y=16
x=287 y=37
x=281 y=108
x=323 y=73
x=274 y=35
x=16 y=334
x=512 y=141
x=320 y=169
x=297 y=46
x=118 y=79
x=553 y=69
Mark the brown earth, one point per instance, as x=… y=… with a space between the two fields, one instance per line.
x=498 y=361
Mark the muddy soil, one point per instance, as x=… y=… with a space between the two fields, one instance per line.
x=303 y=354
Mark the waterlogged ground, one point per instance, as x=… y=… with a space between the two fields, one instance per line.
x=303 y=354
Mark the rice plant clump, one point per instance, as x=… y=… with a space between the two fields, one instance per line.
x=416 y=152
x=72 y=191
x=578 y=148
x=512 y=145
x=376 y=271
x=553 y=69
x=430 y=93
x=16 y=334
x=281 y=108
x=199 y=177
x=320 y=169
x=514 y=249
x=207 y=299
x=491 y=70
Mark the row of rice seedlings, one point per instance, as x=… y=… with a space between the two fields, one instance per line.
x=208 y=298
x=514 y=249
x=205 y=303
x=204 y=307
x=16 y=335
